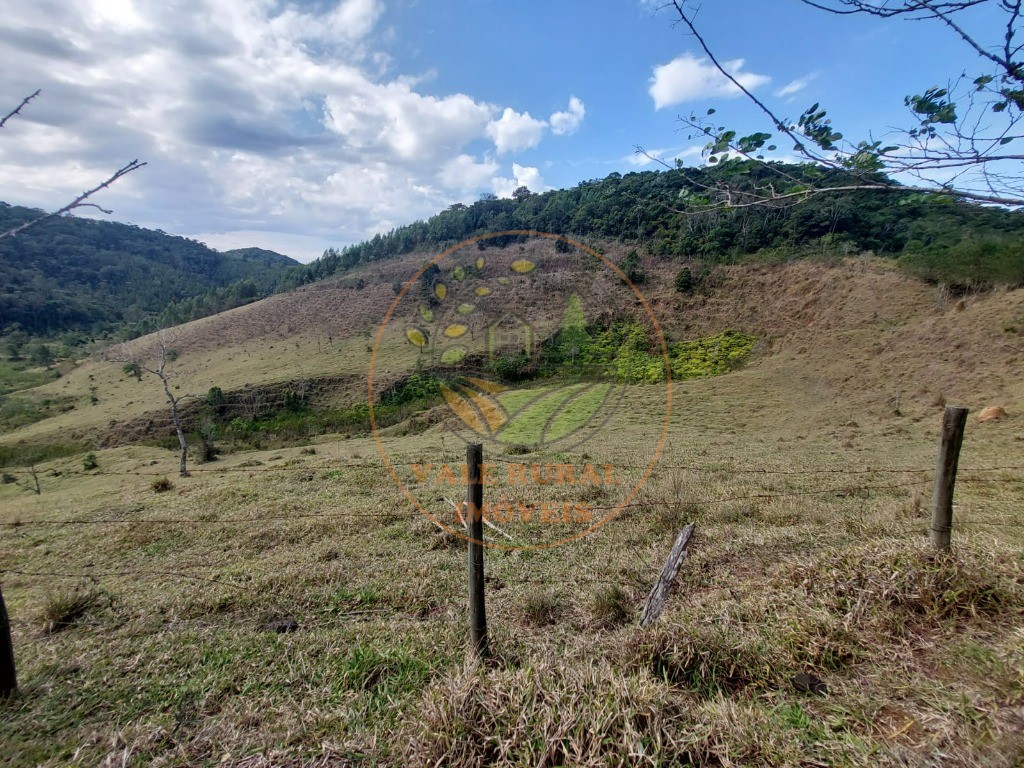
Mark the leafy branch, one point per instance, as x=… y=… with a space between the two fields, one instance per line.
x=964 y=140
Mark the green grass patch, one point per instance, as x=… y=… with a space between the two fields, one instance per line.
x=20 y=411
x=26 y=454
x=530 y=424
x=18 y=375
x=383 y=674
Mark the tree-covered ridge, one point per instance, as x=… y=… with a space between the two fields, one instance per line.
x=73 y=274
x=939 y=239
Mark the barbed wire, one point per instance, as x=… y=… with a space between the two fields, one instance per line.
x=993 y=480
x=698 y=468
x=210 y=521
x=921 y=527
x=85 y=576
x=379 y=464
x=193 y=470
x=839 y=490
x=846 y=490
x=302 y=623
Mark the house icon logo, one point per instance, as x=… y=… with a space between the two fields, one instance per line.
x=509 y=333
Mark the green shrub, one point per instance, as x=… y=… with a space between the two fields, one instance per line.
x=974 y=262
x=419 y=387
x=630 y=266
x=295 y=402
x=215 y=397
x=89 y=462
x=684 y=280
x=711 y=356
x=512 y=366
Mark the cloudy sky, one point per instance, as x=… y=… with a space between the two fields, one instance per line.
x=300 y=125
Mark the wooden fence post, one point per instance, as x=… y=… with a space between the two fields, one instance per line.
x=953 y=421
x=475 y=530
x=8 y=676
x=659 y=593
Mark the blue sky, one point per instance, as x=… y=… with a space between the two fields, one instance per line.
x=298 y=126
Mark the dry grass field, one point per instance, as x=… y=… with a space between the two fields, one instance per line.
x=147 y=616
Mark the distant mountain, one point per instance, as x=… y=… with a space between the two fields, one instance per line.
x=74 y=274
x=261 y=256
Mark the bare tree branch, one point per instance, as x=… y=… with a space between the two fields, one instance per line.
x=17 y=109
x=885 y=9
x=78 y=202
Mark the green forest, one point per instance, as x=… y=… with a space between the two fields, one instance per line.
x=73 y=276
x=939 y=239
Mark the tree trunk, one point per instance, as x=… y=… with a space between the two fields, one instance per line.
x=176 y=418
x=183 y=469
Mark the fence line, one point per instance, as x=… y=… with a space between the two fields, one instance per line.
x=645 y=502
x=845 y=490
x=109 y=574
x=201 y=521
x=526 y=460
x=214 y=470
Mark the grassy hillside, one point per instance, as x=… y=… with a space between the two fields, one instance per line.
x=146 y=614
x=874 y=335
x=73 y=274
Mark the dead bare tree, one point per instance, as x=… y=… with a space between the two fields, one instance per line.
x=34 y=485
x=154 y=359
x=251 y=401
x=78 y=202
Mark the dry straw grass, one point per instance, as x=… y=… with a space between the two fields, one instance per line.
x=922 y=655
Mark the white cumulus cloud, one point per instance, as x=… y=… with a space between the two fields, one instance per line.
x=254 y=116
x=466 y=173
x=515 y=131
x=795 y=86
x=567 y=122
x=687 y=78
x=525 y=176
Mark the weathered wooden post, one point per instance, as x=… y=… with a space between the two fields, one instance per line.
x=8 y=676
x=475 y=531
x=659 y=593
x=953 y=421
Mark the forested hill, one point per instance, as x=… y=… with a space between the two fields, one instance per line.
x=935 y=238
x=74 y=274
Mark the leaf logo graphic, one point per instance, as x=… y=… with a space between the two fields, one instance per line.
x=557 y=413
x=479 y=410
